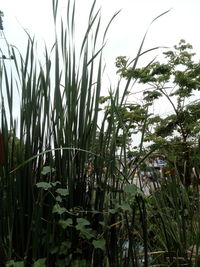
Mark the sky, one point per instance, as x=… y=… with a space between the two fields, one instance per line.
x=126 y=31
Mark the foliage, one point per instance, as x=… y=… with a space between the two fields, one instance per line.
x=177 y=80
x=60 y=176
x=68 y=179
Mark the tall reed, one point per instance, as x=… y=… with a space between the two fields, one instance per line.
x=64 y=180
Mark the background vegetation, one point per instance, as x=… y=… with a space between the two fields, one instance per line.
x=68 y=175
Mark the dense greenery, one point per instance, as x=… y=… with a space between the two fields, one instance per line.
x=176 y=81
x=68 y=193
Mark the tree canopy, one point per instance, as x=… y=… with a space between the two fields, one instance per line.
x=177 y=79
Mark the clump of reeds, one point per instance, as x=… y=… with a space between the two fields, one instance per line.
x=67 y=197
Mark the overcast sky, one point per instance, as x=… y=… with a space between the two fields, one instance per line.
x=126 y=31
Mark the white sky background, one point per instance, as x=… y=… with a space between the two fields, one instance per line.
x=126 y=31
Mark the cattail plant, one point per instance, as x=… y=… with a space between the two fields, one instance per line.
x=64 y=178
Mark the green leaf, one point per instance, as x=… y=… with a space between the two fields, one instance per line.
x=65 y=246
x=58 y=209
x=40 y=263
x=54 y=250
x=58 y=199
x=62 y=262
x=100 y=243
x=102 y=223
x=85 y=232
x=13 y=263
x=62 y=191
x=125 y=207
x=46 y=170
x=112 y=211
x=82 y=221
x=65 y=223
x=131 y=189
x=55 y=183
x=44 y=185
